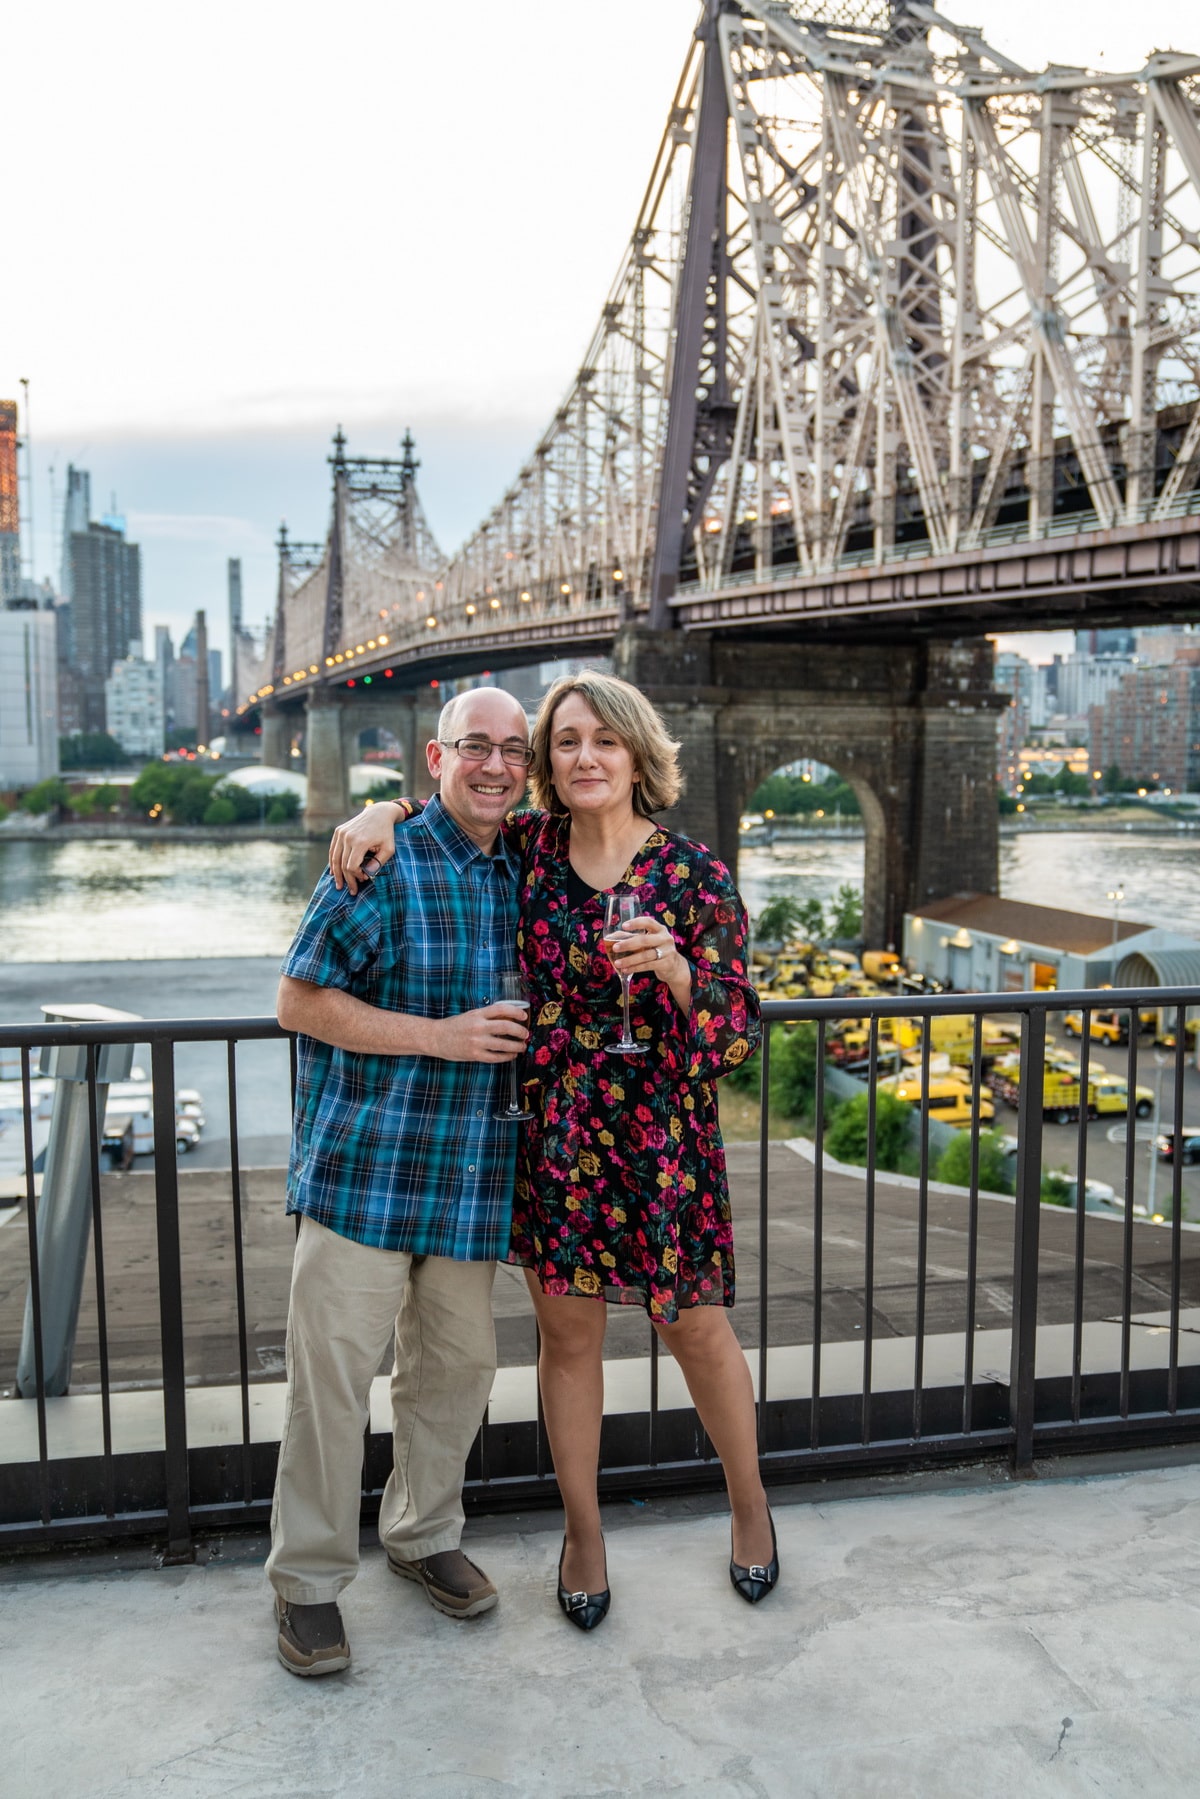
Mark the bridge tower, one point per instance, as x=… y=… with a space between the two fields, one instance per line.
x=381 y=560
x=911 y=725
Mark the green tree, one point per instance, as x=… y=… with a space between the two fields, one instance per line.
x=47 y=796
x=155 y=786
x=1006 y=805
x=847 y=1138
x=191 y=802
x=794 y=1069
x=845 y=917
x=383 y=790
x=1056 y=1187
x=219 y=811
x=779 y=918
x=812 y=918
x=283 y=808
x=995 y=1166
x=91 y=749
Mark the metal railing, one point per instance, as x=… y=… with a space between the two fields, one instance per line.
x=919 y=549
x=866 y=1347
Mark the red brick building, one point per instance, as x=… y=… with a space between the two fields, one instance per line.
x=1149 y=726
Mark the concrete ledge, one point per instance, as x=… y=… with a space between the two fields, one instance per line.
x=74 y=1424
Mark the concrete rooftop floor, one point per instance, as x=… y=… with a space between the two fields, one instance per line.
x=964 y=1635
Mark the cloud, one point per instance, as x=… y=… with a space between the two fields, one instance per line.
x=197 y=527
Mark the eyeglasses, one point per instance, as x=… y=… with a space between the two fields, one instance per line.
x=478 y=749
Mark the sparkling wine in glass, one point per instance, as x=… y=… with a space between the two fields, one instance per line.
x=619 y=910
x=511 y=991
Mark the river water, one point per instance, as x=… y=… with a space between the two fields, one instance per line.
x=113 y=901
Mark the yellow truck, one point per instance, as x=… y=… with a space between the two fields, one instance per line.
x=947 y=1097
x=952 y=1035
x=1062 y=1095
x=1110 y=1026
x=881 y=965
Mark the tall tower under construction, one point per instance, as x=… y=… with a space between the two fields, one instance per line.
x=10 y=511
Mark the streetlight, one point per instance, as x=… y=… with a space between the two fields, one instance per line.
x=1114 y=897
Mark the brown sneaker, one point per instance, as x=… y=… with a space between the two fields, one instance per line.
x=311 y=1638
x=452 y=1584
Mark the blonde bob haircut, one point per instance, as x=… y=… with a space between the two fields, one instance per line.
x=631 y=717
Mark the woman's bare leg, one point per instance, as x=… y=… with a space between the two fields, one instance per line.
x=571 y=1377
x=703 y=1343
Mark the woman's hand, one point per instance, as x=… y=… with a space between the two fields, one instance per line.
x=649 y=948
x=362 y=845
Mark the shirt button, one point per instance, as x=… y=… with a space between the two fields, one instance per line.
x=470 y=1167
x=479 y=1114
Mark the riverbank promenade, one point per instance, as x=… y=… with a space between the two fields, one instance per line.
x=933 y=1639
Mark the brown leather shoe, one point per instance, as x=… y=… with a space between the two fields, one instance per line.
x=452 y=1584
x=311 y=1638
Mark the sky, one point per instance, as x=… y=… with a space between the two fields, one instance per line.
x=232 y=228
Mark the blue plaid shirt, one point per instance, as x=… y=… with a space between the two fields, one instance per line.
x=402 y=1152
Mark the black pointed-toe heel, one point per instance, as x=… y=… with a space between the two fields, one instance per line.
x=585 y=1610
x=755 y=1582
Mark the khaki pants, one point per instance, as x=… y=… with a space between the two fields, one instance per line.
x=346 y=1302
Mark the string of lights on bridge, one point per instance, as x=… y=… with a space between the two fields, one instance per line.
x=346 y=658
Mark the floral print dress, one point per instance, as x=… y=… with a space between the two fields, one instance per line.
x=621 y=1191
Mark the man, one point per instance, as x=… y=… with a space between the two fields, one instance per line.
x=403 y=1184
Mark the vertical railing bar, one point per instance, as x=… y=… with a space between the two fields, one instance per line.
x=1127 y=1221
x=869 y=1232
x=814 y=1425
x=922 y=1238
x=1026 y=1228
x=764 y=1143
x=1176 y=1206
x=110 y=1490
x=35 y=1292
x=170 y=1302
x=239 y=1264
x=1081 y=1153
x=968 y=1406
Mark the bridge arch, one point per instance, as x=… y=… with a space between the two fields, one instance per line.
x=774 y=755
x=912 y=728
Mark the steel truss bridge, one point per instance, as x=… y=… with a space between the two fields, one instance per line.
x=905 y=335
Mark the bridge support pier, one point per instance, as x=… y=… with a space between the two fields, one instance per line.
x=912 y=728
x=276 y=736
x=328 y=800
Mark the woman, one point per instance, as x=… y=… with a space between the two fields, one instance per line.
x=621 y=1194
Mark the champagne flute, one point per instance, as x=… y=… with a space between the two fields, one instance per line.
x=510 y=991
x=619 y=910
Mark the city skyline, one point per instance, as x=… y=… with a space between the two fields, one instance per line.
x=263 y=297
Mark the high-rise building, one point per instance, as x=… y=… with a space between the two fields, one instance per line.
x=1121 y=642
x=1083 y=680
x=194 y=675
x=1014 y=676
x=133 y=701
x=1149 y=726
x=106 y=609
x=28 y=696
x=10 y=509
x=77 y=515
